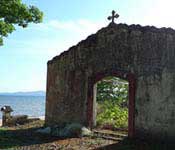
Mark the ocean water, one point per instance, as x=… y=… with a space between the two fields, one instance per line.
x=33 y=106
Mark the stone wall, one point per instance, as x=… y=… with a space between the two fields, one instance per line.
x=146 y=52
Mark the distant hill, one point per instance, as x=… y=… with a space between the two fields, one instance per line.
x=32 y=93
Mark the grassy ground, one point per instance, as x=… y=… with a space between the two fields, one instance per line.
x=24 y=138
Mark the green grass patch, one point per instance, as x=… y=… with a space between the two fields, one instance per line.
x=12 y=137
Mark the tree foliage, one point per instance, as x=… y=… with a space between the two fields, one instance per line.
x=112 y=100
x=113 y=89
x=14 y=12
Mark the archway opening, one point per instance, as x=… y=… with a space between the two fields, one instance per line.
x=92 y=96
x=110 y=104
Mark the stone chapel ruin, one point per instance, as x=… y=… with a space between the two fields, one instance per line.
x=144 y=56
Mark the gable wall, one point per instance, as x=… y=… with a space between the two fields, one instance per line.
x=146 y=52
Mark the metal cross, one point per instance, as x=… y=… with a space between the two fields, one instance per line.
x=114 y=15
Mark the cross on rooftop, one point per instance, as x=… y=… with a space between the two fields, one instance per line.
x=114 y=15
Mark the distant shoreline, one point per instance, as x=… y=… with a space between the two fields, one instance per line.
x=24 y=95
x=31 y=93
x=33 y=106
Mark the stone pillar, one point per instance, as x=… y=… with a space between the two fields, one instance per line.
x=6 y=115
x=94 y=104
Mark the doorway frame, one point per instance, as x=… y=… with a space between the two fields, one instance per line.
x=130 y=78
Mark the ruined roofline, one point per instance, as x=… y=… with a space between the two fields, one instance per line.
x=117 y=26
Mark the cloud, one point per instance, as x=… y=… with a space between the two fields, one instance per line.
x=161 y=14
x=37 y=44
x=55 y=36
x=82 y=27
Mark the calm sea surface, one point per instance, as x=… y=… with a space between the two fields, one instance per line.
x=28 y=105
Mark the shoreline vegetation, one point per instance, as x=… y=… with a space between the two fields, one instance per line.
x=30 y=117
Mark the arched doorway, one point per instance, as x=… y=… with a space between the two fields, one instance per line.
x=131 y=94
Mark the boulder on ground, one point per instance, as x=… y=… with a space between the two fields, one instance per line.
x=85 y=132
x=71 y=130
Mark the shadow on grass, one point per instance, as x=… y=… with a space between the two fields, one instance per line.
x=128 y=144
x=17 y=137
x=10 y=138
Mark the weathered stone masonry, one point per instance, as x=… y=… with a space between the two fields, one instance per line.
x=146 y=54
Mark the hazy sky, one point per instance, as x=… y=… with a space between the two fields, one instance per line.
x=24 y=56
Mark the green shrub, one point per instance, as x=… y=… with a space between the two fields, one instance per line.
x=112 y=103
x=109 y=113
